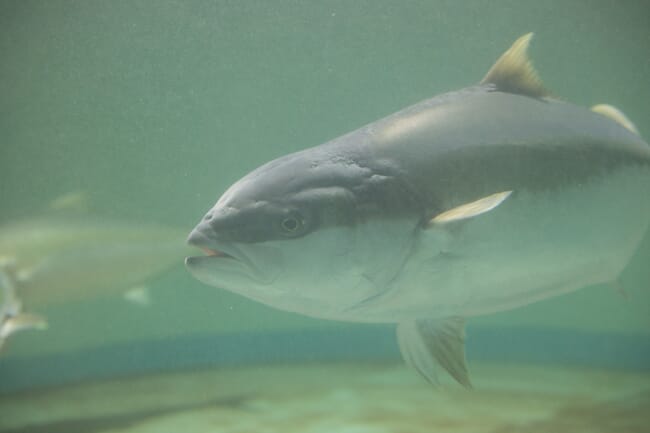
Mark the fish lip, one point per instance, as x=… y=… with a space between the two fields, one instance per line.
x=213 y=249
x=217 y=253
x=220 y=252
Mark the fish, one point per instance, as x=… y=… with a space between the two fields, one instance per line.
x=60 y=258
x=12 y=318
x=472 y=202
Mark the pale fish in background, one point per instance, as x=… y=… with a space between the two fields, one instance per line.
x=12 y=318
x=62 y=259
x=472 y=202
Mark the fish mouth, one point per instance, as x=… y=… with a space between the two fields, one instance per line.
x=211 y=248
x=209 y=252
x=223 y=264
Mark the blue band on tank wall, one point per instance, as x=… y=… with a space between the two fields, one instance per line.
x=356 y=343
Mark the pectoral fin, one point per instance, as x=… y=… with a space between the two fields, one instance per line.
x=472 y=209
x=425 y=344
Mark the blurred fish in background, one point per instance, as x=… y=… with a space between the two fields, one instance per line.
x=67 y=255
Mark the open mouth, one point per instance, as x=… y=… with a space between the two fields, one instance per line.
x=214 y=253
x=210 y=247
x=210 y=254
x=222 y=260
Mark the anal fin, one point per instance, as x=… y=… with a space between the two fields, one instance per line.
x=427 y=343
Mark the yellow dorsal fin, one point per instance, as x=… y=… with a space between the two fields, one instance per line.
x=514 y=72
x=616 y=115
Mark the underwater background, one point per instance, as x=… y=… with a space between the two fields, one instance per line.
x=153 y=108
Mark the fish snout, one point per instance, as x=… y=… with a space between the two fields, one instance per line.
x=209 y=229
x=195 y=237
x=209 y=236
x=204 y=238
x=219 y=221
x=202 y=234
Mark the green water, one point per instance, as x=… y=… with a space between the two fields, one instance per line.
x=155 y=107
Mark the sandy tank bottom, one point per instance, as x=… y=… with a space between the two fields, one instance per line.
x=341 y=398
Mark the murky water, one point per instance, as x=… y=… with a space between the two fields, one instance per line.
x=141 y=113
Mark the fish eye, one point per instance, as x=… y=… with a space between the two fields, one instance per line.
x=292 y=224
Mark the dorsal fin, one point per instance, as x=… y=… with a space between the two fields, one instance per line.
x=71 y=202
x=616 y=115
x=514 y=72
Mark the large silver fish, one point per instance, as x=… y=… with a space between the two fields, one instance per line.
x=472 y=202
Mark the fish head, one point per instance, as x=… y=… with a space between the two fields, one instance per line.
x=301 y=234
